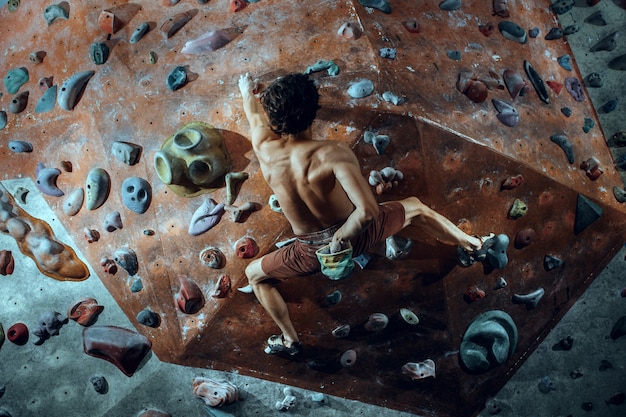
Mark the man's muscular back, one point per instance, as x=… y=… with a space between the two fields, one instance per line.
x=301 y=173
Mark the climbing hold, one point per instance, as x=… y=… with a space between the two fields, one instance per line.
x=565 y=62
x=546 y=385
x=274 y=204
x=531 y=299
x=449 y=5
x=74 y=201
x=619 y=138
x=555 y=86
x=189 y=297
x=3 y=119
x=54 y=12
x=208 y=42
x=454 y=55
x=572 y=85
x=342 y=331
x=609 y=106
x=50 y=323
x=562 y=6
x=246 y=248
x=534 y=32
x=15 y=79
x=472 y=87
x=588 y=124
x=564 y=344
x=152 y=57
x=551 y=262
x=136 y=286
x=409 y=317
x=392 y=98
x=108 y=265
x=99 y=52
x=412 y=25
x=512 y=182
x=592 y=168
x=18 y=334
x=487 y=28
x=85 y=311
x=382 y=5
x=512 y=31
x=618 y=63
x=222 y=287
x=149 y=318
x=174 y=23
x=361 y=88
x=571 y=29
x=348 y=358
x=136 y=194
x=7 y=263
x=518 y=209
x=215 y=393
x=554 y=33
x=389 y=53
x=500 y=9
x=419 y=370
x=349 y=31
x=489 y=341
x=99 y=383
x=140 y=32
x=514 y=83
x=608 y=43
x=507 y=114
x=213 y=258
x=537 y=82
x=127 y=259
x=473 y=293
x=596 y=19
x=47 y=181
x=91 y=235
x=47 y=100
x=109 y=23
x=113 y=222
x=232 y=180
x=72 y=89
x=19 y=102
x=97 y=184
x=123 y=348
x=376 y=322
x=126 y=152
x=564 y=144
x=177 y=78
x=330 y=66
x=205 y=217
x=620 y=194
x=380 y=142
x=20 y=146
x=616 y=399
x=237 y=5
x=567 y=112
x=587 y=212
x=594 y=80
x=501 y=283
x=397 y=247
x=524 y=238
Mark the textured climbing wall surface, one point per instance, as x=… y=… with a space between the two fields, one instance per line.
x=454 y=154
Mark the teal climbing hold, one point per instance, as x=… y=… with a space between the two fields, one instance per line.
x=15 y=78
x=587 y=212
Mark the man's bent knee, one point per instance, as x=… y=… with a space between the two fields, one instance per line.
x=255 y=273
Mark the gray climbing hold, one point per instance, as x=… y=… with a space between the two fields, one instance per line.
x=489 y=341
x=3 y=119
x=594 y=80
x=564 y=144
x=596 y=18
x=136 y=194
x=126 y=152
x=531 y=299
x=47 y=100
x=551 y=262
x=389 y=53
x=360 y=89
x=554 y=33
x=608 y=43
x=127 y=259
x=149 y=318
x=15 y=78
x=382 y=5
x=99 y=52
x=587 y=212
x=136 y=286
x=139 y=33
x=562 y=6
x=20 y=146
x=449 y=5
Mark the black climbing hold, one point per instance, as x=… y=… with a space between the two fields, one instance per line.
x=551 y=262
x=177 y=78
x=562 y=6
x=587 y=212
x=596 y=18
x=564 y=144
x=537 y=82
x=566 y=111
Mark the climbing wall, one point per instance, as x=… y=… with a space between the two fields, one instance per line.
x=451 y=147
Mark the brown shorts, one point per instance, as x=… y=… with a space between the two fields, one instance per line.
x=298 y=258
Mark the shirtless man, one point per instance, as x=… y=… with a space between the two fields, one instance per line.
x=323 y=195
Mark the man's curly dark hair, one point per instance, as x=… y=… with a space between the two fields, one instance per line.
x=291 y=103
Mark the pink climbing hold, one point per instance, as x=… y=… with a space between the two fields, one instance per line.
x=412 y=25
x=512 y=182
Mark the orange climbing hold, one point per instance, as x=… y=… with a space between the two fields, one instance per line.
x=237 y=5
x=109 y=23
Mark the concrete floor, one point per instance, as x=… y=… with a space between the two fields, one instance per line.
x=55 y=376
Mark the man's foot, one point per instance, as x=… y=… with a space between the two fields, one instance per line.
x=277 y=344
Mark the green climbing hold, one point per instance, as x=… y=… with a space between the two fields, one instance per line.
x=518 y=209
x=15 y=78
x=589 y=124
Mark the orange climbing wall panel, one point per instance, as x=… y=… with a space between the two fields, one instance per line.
x=453 y=152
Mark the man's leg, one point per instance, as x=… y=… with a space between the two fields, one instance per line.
x=433 y=223
x=271 y=300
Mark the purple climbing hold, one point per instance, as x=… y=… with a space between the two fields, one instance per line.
x=205 y=217
x=572 y=85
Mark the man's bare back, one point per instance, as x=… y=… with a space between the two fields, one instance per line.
x=301 y=172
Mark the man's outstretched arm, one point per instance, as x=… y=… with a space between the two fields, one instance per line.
x=252 y=109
